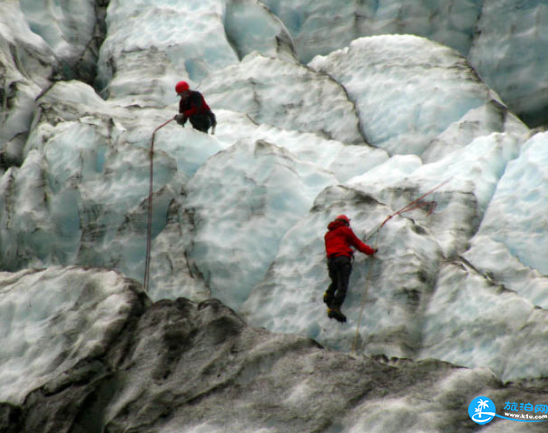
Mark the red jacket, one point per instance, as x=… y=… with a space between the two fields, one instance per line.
x=340 y=238
x=194 y=104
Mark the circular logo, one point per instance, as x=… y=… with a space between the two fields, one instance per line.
x=482 y=410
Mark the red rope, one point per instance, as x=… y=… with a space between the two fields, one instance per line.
x=415 y=204
x=149 y=211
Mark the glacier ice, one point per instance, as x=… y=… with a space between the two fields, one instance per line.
x=328 y=154
x=171 y=366
x=88 y=176
x=504 y=40
x=314 y=120
x=507 y=54
x=322 y=27
x=147 y=49
x=264 y=32
x=379 y=68
x=287 y=95
x=239 y=215
x=393 y=297
x=26 y=65
x=508 y=247
x=510 y=218
x=53 y=319
x=67 y=28
x=492 y=325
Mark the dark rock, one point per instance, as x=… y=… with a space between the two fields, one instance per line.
x=181 y=366
x=10 y=418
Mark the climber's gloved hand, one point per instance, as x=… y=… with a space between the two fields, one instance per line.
x=181 y=119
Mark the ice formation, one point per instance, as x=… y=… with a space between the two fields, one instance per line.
x=320 y=112
x=53 y=319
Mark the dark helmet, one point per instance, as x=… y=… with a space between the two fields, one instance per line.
x=181 y=86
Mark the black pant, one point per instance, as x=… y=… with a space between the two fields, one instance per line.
x=340 y=268
x=202 y=122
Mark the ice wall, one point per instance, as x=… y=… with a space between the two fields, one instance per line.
x=509 y=49
x=53 y=319
x=240 y=215
x=504 y=40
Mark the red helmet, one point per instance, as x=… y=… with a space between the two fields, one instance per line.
x=181 y=86
x=343 y=218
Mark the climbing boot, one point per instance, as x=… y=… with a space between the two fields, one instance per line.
x=335 y=313
x=328 y=299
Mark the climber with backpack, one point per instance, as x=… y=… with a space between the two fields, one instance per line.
x=339 y=241
x=193 y=107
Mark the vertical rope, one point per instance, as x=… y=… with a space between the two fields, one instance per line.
x=364 y=296
x=149 y=210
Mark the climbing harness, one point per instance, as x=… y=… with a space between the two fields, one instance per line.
x=149 y=212
x=415 y=204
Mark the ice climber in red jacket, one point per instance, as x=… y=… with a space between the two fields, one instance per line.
x=339 y=241
x=193 y=107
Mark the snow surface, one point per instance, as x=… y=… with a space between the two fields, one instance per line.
x=240 y=215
